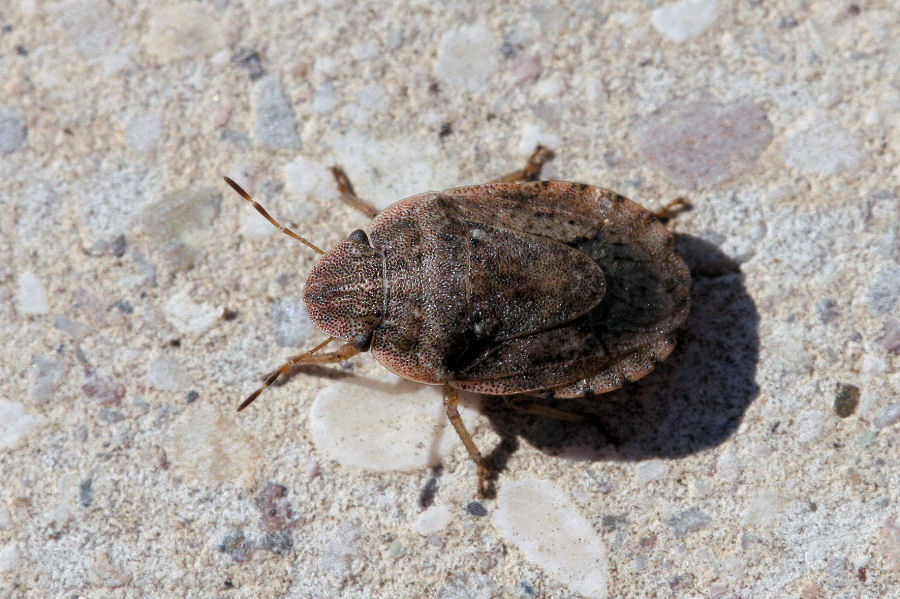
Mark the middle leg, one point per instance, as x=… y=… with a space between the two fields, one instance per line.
x=451 y=401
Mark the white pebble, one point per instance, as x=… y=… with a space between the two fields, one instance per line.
x=526 y=68
x=383 y=425
x=167 y=374
x=255 y=226
x=115 y=63
x=373 y=97
x=90 y=28
x=539 y=519
x=143 y=132
x=532 y=136
x=209 y=446
x=729 y=467
x=186 y=30
x=292 y=323
x=308 y=179
x=31 y=297
x=821 y=147
x=683 y=20
x=364 y=51
x=433 y=520
x=549 y=87
x=10 y=555
x=763 y=509
x=809 y=425
x=15 y=424
x=325 y=99
x=649 y=471
x=189 y=316
x=467 y=58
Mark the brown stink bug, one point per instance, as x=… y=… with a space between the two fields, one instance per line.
x=517 y=286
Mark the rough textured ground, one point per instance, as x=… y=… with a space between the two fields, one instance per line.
x=141 y=300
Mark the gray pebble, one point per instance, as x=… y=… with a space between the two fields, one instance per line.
x=887 y=416
x=249 y=59
x=827 y=310
x=111 y=416
x=12 y=129
x=884 y=290
x=688 y=521
x=74 y=329
x=468 y=585
x=237 y=546
x=279 y=541
x=47 y=374
x=890 y=340
x=275 y=123
x=86 y=492
x=682 y=582
x=613 y=522
x=124 y=306
x=527 y=590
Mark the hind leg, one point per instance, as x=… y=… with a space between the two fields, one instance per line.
x=532 y=170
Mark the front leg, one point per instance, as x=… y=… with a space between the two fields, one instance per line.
x=348 y=194
x=346 y=351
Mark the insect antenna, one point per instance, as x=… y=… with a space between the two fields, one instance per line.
x=273 y=376
x=261 y=210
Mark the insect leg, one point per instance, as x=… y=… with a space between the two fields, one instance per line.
x=451 y=401
x=308 y=357
x=532 y=170
x=531 y=407
x=536 y=409
x=345 y=188
x=673 y=209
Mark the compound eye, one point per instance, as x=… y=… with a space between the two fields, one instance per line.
x=359 y=236
x=363 y=341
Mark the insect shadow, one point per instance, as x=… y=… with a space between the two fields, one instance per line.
x=694 y=400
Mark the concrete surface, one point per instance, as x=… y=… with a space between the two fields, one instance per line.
x=142 y=300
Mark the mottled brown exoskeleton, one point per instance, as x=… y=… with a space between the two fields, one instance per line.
x=547 y=288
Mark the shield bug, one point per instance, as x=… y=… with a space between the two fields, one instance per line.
x=518 y=286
